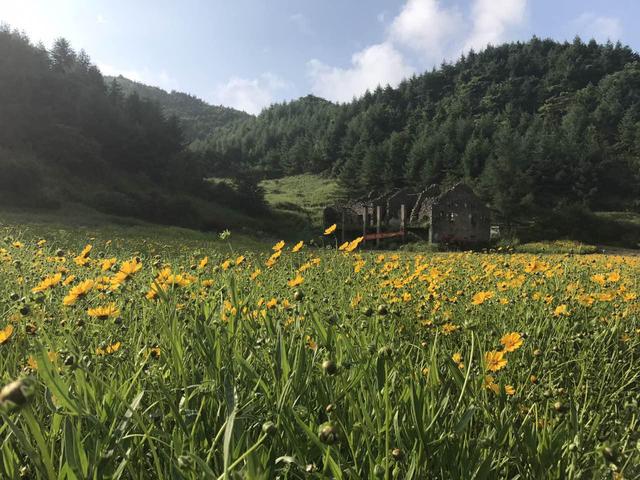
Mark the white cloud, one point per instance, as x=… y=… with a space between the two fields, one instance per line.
x=157 y=79
x=101 y=20
x=250 y=95
x=435 y=32
x=493 y=20
x=590 y=25
x=427 y=27
x=378 y=64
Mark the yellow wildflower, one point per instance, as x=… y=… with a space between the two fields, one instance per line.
x=331 y=229
x=104 y=312
x=511 y=341
x=495 y=360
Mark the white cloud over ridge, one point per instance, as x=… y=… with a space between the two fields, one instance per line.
x=428 y=28
x=249 y=95
x=493 y=20
x=379 y=64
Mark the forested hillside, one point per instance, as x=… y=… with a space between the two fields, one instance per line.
x=65 y=136
x=197 y=118
x=531 y=125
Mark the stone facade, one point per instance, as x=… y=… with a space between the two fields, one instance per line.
x=458 y=216
x=454 y=216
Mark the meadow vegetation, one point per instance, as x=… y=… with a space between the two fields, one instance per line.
x=131 y=353
x=305 y=195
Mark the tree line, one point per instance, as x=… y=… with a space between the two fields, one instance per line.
x=67 y=135
x=530 y=125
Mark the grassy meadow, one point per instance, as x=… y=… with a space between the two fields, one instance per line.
x=305 y=195
x=146 y=352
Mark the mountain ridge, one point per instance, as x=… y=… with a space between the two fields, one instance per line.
x=197 y=117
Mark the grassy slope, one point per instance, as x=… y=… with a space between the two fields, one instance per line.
x=77 y=224
x=632 y=218
x=305 y=195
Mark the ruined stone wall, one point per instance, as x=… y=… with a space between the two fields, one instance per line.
x=459 y=216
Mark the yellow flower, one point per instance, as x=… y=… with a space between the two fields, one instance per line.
x=109 y=349
x=449 y=328
x=5 y=334
x=509 y=390
x=494 y=360
x=296 y=281
x=239 y=260
x=255 y=274
x=80 y=290
x=130 y=267
x=82 y=258
x=68 y=280
x=561 y=310
x=457 y=358
x=298 y=246
x=331 y=229
x=278 y=246
x=343 y=246
x=490 y=383
x=353 y=244
x=480 y=297
x=48 y=283
x=225 y=265
x=272 y=259
x=272 y=303
x=81 y=261
x=104 y=312
x=311 y=344
x=613 y=277
x=179 y=280
x=511 y=341
x=17 y=244
x=107 y=264
x=203 y=263
x=586 y=299
x=605 y=296
x=33 y=364
x=599 y=279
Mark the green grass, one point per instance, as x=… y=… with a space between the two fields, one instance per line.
x=74 y=225
x=349 y=374
x=632 y=218
x=305 y=195
x=557 y=247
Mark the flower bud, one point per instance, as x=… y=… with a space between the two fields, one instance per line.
x=329 y=367
x=17 y=393
x=328 y=434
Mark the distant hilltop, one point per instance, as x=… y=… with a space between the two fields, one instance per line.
x=197 y=117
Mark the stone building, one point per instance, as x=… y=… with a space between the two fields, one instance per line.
x=456 y=215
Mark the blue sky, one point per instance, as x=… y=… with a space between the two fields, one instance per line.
x=250 y=53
